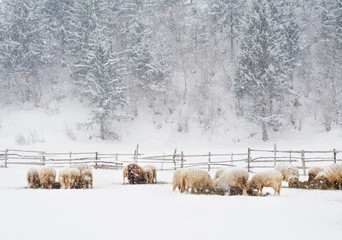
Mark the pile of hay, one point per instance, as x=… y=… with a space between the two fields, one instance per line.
x=316 y=184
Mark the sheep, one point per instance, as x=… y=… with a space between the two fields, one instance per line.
x=154 y=170
x=271 y=178
x=135 y=173
x=75 y=177
x=196 y=179
x=281 y=167
x=333 y=174
x=81 y=167
x=125 y=173
x=87 y=178
x=290 y=173
x=236 y=177
x=47 y=176
x=177 y=178
x=314 y=171
x=148 y=174
x=64 y=178
x=219 y=173
x=32 y=177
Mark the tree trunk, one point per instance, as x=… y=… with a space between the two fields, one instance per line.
x=264 y=131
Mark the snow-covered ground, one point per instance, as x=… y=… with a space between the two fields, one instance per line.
x=115 y=211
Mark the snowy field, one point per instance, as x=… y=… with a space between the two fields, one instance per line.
x=115 y=211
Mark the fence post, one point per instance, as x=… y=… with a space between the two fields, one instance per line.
x=209 y=155
x=303 y=161
x=163 y=161
x=116 y=157
x=43 y=158
x=6 y=157
x=70 y=158
x=182 y=159
x=248 y=159
x=275 y=154
x=231 y=159
x=135 y=156
x=290 y=156
x=96 y=157
x=174 y=158
x=334 y=155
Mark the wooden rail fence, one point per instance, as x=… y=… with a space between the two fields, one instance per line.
x=252 y=160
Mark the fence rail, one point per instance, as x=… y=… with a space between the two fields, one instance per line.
x=251 y=160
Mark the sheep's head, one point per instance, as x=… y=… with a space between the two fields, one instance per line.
x=293 y=179
x=320 y=176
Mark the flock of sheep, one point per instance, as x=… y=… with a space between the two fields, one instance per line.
x=237 y=179
x=78 y=176
x=233 y=180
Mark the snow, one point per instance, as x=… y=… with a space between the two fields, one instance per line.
x=115 y=210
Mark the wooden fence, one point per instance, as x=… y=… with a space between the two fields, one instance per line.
x=95 y=159
x=302 y=159
x=206 y=161
x=252 y=160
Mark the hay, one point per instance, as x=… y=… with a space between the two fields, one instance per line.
x=316 y=184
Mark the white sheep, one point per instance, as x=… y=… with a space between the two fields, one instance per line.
x=195 y=179
x=219 y=173
x=177 y=178
x=281 y=167
x=64 y=178
x=47 y=176
x=87 y=178
x=314 y=171
x=148 y=174
x=75 y=177
x=124 y=174
x=332 y=173
x=154 y=170
x=271 y=178
x=235 y=177
x=290 y=173
x=32 y=177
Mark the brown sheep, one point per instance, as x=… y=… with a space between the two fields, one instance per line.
x=135 y=174
x=47 y=177
x=32 y=177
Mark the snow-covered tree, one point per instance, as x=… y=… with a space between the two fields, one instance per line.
x=260 y=76
x=100 y=77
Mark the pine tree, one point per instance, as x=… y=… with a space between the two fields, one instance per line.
x=260 y=78
x=99 y=75
x=24 y=51
x=329 y=87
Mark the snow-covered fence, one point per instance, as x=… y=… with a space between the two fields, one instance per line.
x=302 y=159
x=95 y=159
x=206 y=161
